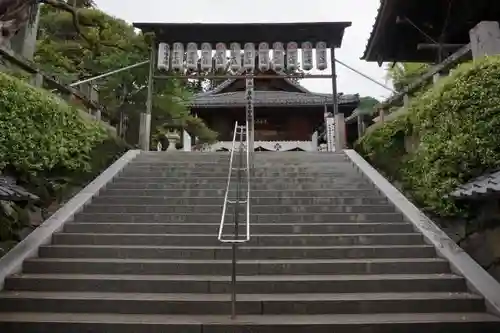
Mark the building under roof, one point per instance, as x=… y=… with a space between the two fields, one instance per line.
x=401 y=25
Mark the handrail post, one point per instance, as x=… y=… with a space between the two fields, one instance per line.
x=241 y=130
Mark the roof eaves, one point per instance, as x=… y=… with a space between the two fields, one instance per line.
x=375 y=30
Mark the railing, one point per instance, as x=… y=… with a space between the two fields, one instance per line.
x=235 y=240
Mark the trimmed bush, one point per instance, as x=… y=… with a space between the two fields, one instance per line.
x=48 y=147
x=457 y=123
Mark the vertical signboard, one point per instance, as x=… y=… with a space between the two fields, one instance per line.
x=206 y=56
x=163 y=56
x=330 y=133
x=178 y=56
x=307 y=56
x=278 y=56
x=249 y=97
x=292 y=57
x=321 y=57
x=235 y=55
x=192 y=56
x=220 y=56
x=264 y=64
x=249 y=57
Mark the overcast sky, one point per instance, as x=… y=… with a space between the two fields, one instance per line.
x=360 y=12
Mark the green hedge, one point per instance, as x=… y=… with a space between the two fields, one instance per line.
x=457 y=126
x=48 y=147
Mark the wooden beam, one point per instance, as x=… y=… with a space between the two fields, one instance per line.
x=447 y=63
x=224 y=77
x=424 y=46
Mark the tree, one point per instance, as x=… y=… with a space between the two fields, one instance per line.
x=15 y=14
x=403 y=74
x=368 y=103
x=109 y=44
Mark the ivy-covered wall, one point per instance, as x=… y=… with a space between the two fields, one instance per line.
x=455 y=129
x=49 y=148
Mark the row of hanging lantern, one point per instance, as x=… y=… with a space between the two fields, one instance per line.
x=173 y=58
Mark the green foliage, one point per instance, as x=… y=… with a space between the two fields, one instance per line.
x=402 y=74
x=47 y=147
x=457 y=126
x=40 y=132
x=111 y=44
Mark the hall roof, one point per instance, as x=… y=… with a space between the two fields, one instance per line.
x=395 y=39
x=295 y=96
x=481 y=186
x=330 y=32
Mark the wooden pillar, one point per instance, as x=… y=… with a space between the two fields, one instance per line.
x=485 y=39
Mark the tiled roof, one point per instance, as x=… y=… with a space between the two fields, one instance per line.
x=483 y=185
x=268 y=98
x=374 y=30
x=214 y=98
x=10 y=191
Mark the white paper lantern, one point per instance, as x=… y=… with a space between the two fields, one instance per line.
x=163 y=56
x=278 y=56
x=307 y=56
x=178 y=56
x=220 y=56
x=206 y=56
x=264 y=60
x=292 y=56
x=192 y=56
x=321 y=56
x=249 y=56
x=235 y=55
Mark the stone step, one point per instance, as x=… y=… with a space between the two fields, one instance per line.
x=130 y=323
x=256 y=175
x=220 y=192
x=256 y=228
x=244 y=252
x=248 y=304
x=245 y=267
x=257 y=169
x=256 y=209
x=256 y=218
x=119 y=184
x=172 y=200
x=148 y=179
x=245 y=284
x=264 y=240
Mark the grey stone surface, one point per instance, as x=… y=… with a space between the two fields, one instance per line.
x=144 y=257
x=478 y=279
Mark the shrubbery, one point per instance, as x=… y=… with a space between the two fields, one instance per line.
x=47 y=146
x=456 y=126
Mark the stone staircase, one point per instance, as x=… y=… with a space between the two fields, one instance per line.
x=328 y=254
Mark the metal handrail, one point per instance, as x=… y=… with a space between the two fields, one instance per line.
x=228 y=186
x=235 y=241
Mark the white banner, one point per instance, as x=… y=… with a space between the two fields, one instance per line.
x=321 y=56
x=163 y=56
x=307 y=56
x=178 y=56
x=235 y=55
x=206 y=56
x=220 y=56
x=264 y=60
x=192 y=56
x=292 y=56
x=278 y=56
x=249 y=56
